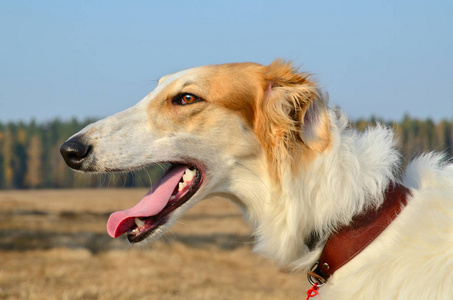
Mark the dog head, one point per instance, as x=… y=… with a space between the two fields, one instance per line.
x=232 y=129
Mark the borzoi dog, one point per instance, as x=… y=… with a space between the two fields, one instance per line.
x=321 y=197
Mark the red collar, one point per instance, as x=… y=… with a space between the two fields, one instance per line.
x=350 y=240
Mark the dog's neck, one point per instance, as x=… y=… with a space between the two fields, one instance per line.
x=337 y=185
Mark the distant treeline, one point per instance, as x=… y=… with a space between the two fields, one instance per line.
x=30 y=158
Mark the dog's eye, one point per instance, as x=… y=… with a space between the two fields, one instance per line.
x=185 y=99
x=188 y=98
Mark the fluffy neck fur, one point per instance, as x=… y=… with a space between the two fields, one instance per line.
x=336 y=185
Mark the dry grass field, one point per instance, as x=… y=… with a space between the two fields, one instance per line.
x=53 y=245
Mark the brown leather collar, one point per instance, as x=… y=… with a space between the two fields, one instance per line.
x=349 y=241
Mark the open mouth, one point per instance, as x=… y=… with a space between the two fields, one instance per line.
x=178 y=184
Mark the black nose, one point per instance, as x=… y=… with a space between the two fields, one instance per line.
x=75 y=151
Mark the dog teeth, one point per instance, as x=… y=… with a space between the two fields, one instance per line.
x=188 y=175
x=172 y=197
x=182 y=185
x=139 y=222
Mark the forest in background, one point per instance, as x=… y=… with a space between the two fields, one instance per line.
x=30 y=152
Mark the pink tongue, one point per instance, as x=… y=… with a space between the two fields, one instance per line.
x=152 y=204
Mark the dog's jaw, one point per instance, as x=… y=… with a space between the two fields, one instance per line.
x=176 y=187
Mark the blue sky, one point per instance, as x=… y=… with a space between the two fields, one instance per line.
x=95 y=58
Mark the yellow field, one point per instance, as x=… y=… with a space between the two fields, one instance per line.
x=54 y=245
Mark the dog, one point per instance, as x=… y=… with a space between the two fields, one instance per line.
x=265 y=137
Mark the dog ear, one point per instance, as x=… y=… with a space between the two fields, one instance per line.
x=294 y=109
x=315 y=130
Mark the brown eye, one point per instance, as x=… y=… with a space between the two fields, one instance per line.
x=188 y=99
x=184 y=99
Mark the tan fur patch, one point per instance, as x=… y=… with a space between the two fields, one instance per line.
x=272 y=100
x=281 y=115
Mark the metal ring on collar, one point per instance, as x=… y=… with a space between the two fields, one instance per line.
x=314 y=277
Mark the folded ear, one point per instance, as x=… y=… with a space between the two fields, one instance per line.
x=315 y=130
x=293 y=110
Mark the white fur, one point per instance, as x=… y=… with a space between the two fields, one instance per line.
x=412 y=259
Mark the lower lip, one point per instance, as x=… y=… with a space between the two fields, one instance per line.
x=162 y=217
